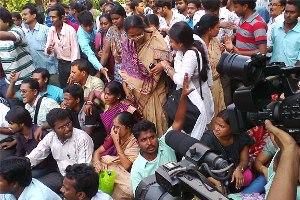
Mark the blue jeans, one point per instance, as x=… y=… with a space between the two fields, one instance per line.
x=257 y=186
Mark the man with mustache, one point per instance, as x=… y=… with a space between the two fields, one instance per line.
x=286 y=36
x=154 y=151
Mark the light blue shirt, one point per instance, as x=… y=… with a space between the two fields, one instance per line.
x=36 y=40
x=286 y=45
x=85 y=40
x=34 y=191
x=142 y=168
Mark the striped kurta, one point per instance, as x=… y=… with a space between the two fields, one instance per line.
x=15 y=55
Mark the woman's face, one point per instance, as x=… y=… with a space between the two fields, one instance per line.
x=120 y=128
x=215 y=30
x=137 y=35
x=104 y=24
x=109 y=98
x=117 y=20
x=175 y=45
x=221 y=128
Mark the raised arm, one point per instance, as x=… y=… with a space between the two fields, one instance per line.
x=6 y=35
x=181 y=110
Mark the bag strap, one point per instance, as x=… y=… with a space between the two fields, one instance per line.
x=199 y=72
x=37 y=108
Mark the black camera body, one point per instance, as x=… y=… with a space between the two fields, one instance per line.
x=253 y=102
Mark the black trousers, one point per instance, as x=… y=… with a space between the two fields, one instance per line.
x=64 y=69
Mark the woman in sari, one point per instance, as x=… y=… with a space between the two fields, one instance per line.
x=208 y=28
x=112 y=45
x=142 y=50
x=127 y=152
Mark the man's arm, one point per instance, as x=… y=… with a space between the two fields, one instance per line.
x=41 y=151
x=285 y=182
x=136 y=178
x=85 y=47
x=181 y=110
x=6 y=35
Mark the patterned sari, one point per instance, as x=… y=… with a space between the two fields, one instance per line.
x=149 y=91
x=122 y=188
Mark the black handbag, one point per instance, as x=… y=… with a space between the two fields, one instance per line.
x=192 y=112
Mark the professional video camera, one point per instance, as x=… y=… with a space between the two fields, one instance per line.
x=183 y=180
x=253 y=102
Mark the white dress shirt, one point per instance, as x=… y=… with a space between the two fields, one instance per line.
x=75 y=150
x=47 y=104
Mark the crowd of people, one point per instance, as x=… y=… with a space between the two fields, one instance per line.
x=83 y=91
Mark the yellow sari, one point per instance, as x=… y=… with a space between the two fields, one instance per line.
x=149 y=93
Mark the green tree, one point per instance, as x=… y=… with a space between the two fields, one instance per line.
x=16 y=5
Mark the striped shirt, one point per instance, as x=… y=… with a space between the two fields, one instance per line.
x=251 y=33
x=15 y=55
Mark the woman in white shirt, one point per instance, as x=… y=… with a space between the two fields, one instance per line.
x=181 y=40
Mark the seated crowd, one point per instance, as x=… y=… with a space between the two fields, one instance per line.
x=82 y=93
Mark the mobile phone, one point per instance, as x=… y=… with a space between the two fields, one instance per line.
x=151 y=66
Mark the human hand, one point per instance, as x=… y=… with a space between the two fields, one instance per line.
x=228 y=43
x=50 y=48
x=238 y=177
x=186 y=86
x=97 y=165
x=282 y=138
x=38 y=134
x=158 y=68
x=14 y=76
x=99 y=53
x=115 y=136
x=104 y=71
x=87 y=108
x=8 y=145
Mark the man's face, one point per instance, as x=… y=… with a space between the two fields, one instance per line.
x=27 y=93
x=276 y=8
x=39 y=78
x=140 y=8
x=69 y=101
x=191 y=9
x=68 y=189
x=52 y=3
x=54 y=18
x=3 y=26
x=76 y=75
x=291 y=14
x=148 y=142
x=5 y=187
x=27 y=17
x=63 y=129
x=181 y=6
x=239 y=9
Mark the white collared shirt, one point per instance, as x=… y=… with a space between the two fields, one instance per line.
x=176 y=17
x=272 y=23
x=75 y=150
x=47 y=104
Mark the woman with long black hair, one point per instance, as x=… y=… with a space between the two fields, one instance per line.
x=190 y=58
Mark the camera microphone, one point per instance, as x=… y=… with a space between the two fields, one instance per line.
x=194 y=151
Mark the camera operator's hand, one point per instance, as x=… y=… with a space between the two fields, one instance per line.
x=282 y=139
x=238 y=177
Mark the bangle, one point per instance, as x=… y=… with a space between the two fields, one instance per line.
x=167 y=68
x=240 y=168
x=89 y=102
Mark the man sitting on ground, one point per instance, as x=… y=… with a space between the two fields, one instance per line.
x=68 y=145
x=154 y=151
x=17 y=182
x=81 y=183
